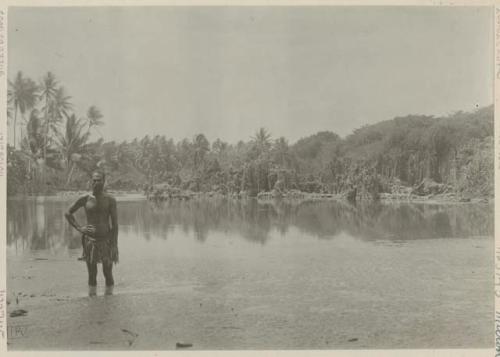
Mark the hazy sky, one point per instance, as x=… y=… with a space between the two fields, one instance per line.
x=226 y=72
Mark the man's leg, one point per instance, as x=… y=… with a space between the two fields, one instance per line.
x=92 y=270
x=107 y=269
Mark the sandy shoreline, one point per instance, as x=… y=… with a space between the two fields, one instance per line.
x=343 y=295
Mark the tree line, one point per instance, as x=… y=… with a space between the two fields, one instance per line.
x=56 y=153
x=47 y=138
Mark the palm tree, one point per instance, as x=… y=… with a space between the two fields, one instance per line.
x=72 y=144
x=56 y=104
x=201 y=147
x=142 y=157
x=60 y=107
x=48 y=87
x=262 y=139
x=94 y=117
x=219 y=146
x=184 y=152
x=34 y=140
x=281 y=152
x=32 y=145
x=9 y=110
x=22 y=95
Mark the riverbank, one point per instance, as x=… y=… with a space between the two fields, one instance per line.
x=435 y=199
x=68 y=195
x=291 y=196
x=298 y=196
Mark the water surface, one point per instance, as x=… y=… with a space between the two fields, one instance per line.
x=242 y=274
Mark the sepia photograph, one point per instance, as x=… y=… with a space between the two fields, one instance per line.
x=249 y=178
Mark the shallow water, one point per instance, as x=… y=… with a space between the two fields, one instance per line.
x=244 y=275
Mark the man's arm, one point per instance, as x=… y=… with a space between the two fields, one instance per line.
x=114 y=221
x=69 y=214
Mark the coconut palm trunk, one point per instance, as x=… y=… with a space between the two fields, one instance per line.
x=71 y=167
x=46 y=131
x=15 y=124
x=46 y=134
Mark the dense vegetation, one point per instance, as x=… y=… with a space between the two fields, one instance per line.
x=453 y=153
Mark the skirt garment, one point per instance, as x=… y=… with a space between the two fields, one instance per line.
x=99 y=251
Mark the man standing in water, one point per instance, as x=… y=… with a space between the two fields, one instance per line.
x=100 y=235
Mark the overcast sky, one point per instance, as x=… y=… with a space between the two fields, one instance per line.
x=225 y=72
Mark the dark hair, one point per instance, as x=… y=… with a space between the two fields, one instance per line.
x=100 y=172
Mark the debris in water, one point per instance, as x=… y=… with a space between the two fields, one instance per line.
x=18 y=312
x=183 y=345
x=41 y=259
x=353 y=339
x=132 y=334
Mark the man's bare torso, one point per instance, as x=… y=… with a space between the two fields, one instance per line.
x=98 y=211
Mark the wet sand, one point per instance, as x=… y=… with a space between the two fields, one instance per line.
x=294 y=292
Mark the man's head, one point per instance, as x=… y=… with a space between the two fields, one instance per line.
x=98 y=179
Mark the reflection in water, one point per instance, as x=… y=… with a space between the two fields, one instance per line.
x=38 y=224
